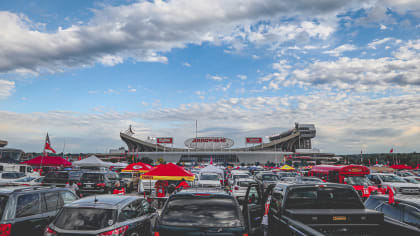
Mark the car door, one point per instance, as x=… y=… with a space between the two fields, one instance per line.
x=131 y=215
x=52 y=202
x=253 y=208
x=29 y=219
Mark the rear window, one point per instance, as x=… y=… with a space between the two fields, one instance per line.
x=323 y=198
x=3 y=201
x=245 y=183
x=93 y=177
x=201 y=212
x=85 y=218
x=270 y=177
x=9 y=176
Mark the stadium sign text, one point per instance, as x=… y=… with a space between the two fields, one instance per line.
x=165 y=140
x=209 y=142
x=253 y=140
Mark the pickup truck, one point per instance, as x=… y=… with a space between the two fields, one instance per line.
x=314 y=209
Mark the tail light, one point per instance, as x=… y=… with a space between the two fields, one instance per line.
x=244 y=234
x=49 y=232
x=5 y=229
x=156 y=233
x=100 y=185
x=236 y=188
x=116 y=232
x=79 y=184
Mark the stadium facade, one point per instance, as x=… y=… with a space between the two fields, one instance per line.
x=294 y=144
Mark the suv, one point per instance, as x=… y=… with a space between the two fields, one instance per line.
x=209 y=180
x=61 y=178
x=28 y=210
x=240 y=186
x=264 y=179
x=395 y=182
x=192 y=212
x=131 y=179
x=104 y=215
x=98 y=182
x=405 y=209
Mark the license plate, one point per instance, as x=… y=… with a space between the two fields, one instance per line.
x=339 y=218
x=89 y=186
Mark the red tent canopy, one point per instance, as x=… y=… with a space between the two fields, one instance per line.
x=168 y=172
x=401 y=167
x=137 y=167
x=47 y=161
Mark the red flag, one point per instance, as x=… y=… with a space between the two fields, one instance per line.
x=211 y=160
x=392 y=150
x=48 y=144
x=80 y=158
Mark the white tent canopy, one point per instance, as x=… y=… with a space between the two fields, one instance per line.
x=212 y=169
x=92 y=161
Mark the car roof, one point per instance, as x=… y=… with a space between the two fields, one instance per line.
x=411 y=199
x=197 y=192
x=103 y=201
x=21 y=189
x=291 y=185
x=246 y=179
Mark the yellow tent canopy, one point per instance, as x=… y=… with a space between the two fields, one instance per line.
x=287 y=167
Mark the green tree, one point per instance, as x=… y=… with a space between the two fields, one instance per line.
x=146 y=160
x=160 y=160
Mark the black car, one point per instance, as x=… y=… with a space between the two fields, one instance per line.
x=405 y=209
x=98 y=182
x=61 y=178
x=193 y=212
x=104 y=215
x=28 y=210
x=264 y=179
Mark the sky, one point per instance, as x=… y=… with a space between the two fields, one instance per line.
x=83 y=71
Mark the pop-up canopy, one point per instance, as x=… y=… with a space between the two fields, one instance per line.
x=92 y=161
x=47 y=161
x=168 y=172
x=137 y=167
x=212 y=169
x=287 y=167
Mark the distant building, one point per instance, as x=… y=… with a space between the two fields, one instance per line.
x=117 y=151
x=3 y=143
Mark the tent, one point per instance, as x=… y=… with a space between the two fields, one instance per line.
x=169 y=171
x=401 y=167
x=212 y=169
x=287 y=167
x=92 y=161
x=47 y=161
x=137 y=167
x=120 y=164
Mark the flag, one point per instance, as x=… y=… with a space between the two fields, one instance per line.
x=391 y=195
x=80 y=158
x=361 y=157
x=376 y=161
x=369 y=161
x=211 y=160
x=48 y=144
x=392 y=150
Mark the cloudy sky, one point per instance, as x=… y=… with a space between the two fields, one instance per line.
x=85 y=70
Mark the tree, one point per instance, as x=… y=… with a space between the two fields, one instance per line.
x=160 y=160
x=146 y=160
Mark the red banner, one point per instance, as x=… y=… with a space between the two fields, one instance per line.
x=253 y=140
x=165 y=140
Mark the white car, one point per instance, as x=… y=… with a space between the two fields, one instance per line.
x=395 y=182
x=209 y=180
x=7 y=177
x=240 y=186
x=28 y=181
x=238 y=175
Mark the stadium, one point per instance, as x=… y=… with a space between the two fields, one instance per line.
x=294 y=144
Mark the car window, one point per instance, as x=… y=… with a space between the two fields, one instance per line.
x=85 y=218
x=28 y=205
x=131 y=211
x=412 y=216
x=201 y=212
x=51 y=201
x=392 y=211
x=253 y=195
x=92 y=177
x=3 y=201
x=146 y=207
x=67 y=197
x=9 y=176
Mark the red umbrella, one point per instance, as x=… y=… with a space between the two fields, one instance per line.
x=137 y=167
x=168 y=172
x=47 y=161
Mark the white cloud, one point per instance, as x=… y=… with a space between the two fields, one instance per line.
x=339 y=50
x=255 y=57
x=216 y=77
x=132 y=90
x=378 y=42
x=242 y=77
x=6 y=88
x=186 y=64
x=383 y=27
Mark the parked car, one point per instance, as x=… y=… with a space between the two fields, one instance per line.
x=239 y=188
x=7 y=177
x=61 y=178
x=28 y=210
x=382 y=180
x=192 y=212
x=131 y=179
x=405 y=209
x=238 y=175
x=209 y=180
x=28 y=181
x=97 y=182
x=264 y=179
x=104 y=215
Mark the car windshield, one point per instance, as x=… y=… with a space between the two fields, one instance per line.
x=201 y=212
x=3 y=201
x=411 y=180
x=245 y=183
x=323 y=198
x=92 y=177
x=392 y=179
x=126 y=175
x=357 y=180
x=312 y=180
x=9 y=176
x=270 y=178
x=406 y=174
x=85 y=218
x=209 y=177
x=55 y=175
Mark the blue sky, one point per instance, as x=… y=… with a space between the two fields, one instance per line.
x=85 y=70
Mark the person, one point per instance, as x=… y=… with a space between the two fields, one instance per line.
x=182 y=185
x=161 y=188
x=118 y=189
